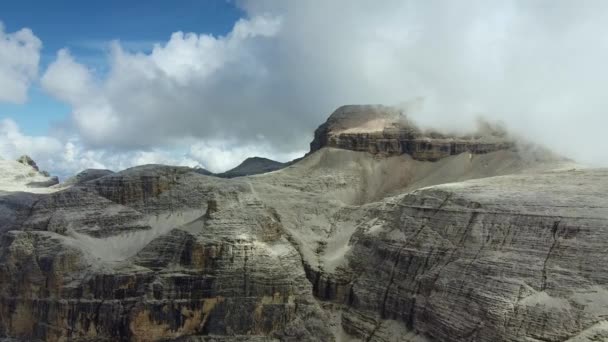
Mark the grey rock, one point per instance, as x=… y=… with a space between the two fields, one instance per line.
x=340 y=245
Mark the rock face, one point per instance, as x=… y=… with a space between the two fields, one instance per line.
x=339 y=246
x=487 y=260
x=386 y=130
x=253 y=166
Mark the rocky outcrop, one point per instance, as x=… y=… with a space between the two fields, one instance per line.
x=341 y=245
x=138 y=186
x=26 y=160
x=50 y=181
x=387 y=131
x=23 y=175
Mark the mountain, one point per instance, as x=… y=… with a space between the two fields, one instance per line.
x=372 y=236
x=253 y=166
x=386 y=130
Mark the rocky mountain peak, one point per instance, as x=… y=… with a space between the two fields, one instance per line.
x=387 y=130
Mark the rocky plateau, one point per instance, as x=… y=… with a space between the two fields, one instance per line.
x=383 y=232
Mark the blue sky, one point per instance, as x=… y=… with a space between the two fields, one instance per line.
x=87 y=27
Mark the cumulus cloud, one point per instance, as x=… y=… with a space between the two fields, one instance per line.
x=14 y=143
x=536 y=66
x=19 y=56
x=174 y=92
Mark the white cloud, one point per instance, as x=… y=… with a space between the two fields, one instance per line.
x=536 y=66
x=70 y=156
x=168 y=76
x=69 y=81
x=65 y=158
x=152 y=99
x=14 y=143
x=19 y=56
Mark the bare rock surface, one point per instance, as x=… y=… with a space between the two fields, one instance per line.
x=343 y=245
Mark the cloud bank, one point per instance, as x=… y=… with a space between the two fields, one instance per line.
x=264 y=87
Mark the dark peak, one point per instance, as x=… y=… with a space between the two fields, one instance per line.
x=252 y=160
x=26 y=160
x=253 y=166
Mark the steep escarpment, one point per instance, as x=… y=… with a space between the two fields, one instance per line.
x=386 y=130
x=341 y=245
